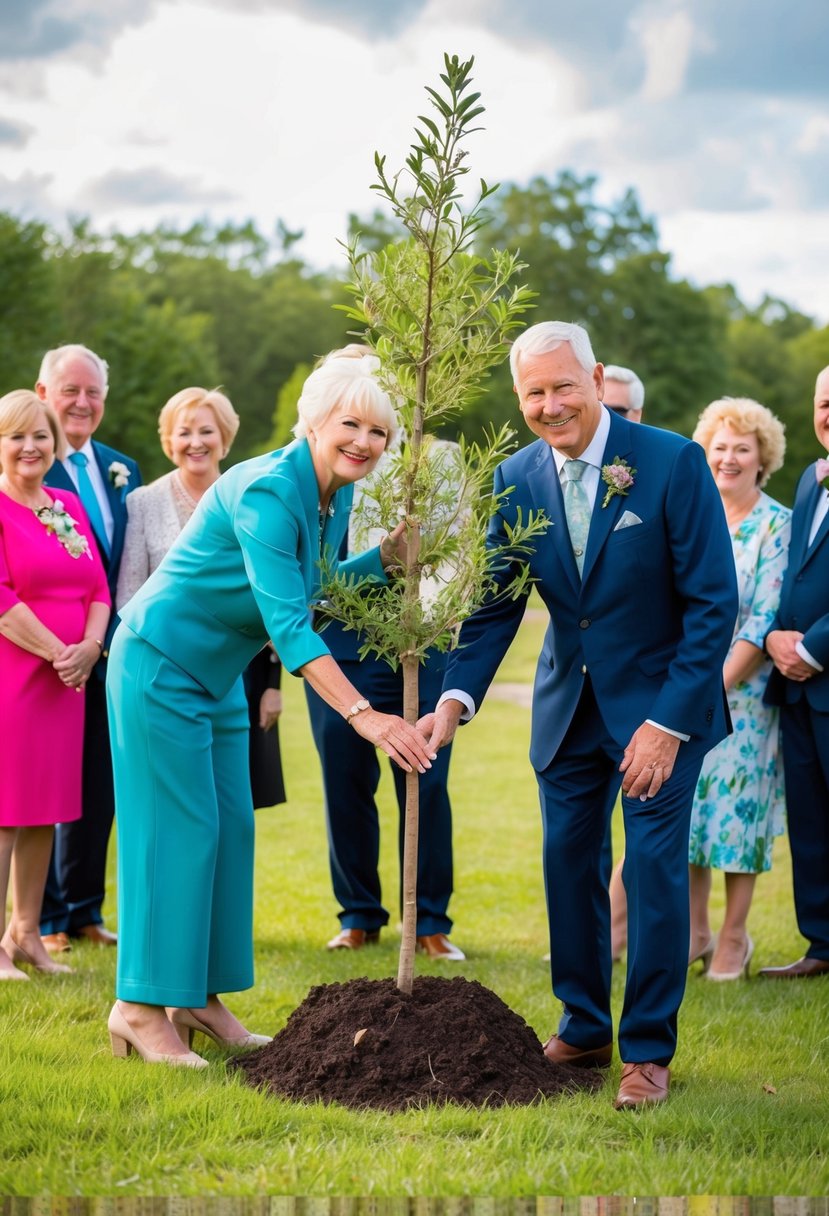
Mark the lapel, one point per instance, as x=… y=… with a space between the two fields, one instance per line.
x=104 y=457
x=604 y=519
x=812 y=499
x=58 y=478
x=545 y=492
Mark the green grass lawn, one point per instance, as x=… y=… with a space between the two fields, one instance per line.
x=748 y=1110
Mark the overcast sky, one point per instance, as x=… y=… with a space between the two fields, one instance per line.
x=714 y=111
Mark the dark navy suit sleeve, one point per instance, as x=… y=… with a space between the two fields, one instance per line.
x=706 y=586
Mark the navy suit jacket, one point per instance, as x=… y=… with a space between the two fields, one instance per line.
x=804 y=599
x=59 y=479
x=651 y=619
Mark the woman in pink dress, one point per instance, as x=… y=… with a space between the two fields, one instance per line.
x=54 y=609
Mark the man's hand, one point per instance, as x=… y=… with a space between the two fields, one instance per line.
x=648 y=761
x=439 y=727
x=270 y=707
x=780 y=644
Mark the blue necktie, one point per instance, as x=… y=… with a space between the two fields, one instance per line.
x=90 y=500
x=576 y=508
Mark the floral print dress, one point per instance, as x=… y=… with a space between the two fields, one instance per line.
x=739 y=806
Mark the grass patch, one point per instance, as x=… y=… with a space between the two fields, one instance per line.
x=747 y=1114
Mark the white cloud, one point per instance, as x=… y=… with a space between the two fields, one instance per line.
x=666 y=39
x=264 y=112
x=780 y=253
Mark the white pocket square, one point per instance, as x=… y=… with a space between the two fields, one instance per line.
x=627 y=521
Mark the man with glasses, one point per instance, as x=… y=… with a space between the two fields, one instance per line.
x=624 y=392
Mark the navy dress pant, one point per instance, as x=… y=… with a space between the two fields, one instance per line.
x=805 y=733
x=351 y=774
x=77 y=871
x=577 y=792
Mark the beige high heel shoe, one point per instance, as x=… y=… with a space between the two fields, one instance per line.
x=124 y=1040
x=720 y=976
x=705 y=955
x=10 y=972
x=18 y=955
x=187 y=1024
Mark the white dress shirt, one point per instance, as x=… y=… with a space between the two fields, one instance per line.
x=97 y=483
x=590 y=479
x=820 y=514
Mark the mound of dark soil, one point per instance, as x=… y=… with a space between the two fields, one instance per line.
x=365 y=1044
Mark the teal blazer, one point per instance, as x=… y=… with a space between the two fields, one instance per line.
x=246 y=568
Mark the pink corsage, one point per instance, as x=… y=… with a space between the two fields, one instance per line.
x=618 y=477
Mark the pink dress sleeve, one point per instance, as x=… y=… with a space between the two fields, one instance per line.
x=8 y=595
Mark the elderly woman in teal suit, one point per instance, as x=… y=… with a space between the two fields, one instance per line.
x=244 y=569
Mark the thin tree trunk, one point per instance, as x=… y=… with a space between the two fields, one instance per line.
x=405 y=970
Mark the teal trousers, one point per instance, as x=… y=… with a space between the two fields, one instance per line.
x=185 y=824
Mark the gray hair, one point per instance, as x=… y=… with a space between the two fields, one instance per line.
x=546 y=336
x=623 y=375
x=53 y=359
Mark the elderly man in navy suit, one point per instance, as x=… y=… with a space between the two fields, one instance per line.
x=798 y=643
x=636 y=572
x=73 y=379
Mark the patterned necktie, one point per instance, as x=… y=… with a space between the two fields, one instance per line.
x=576 y=508
x=90 y=500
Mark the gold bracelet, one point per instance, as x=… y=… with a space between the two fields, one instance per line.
x=97 y=642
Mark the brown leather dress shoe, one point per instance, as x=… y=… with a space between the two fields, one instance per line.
x=56 y=943
x=804 y=969
x=98 y=935
x=642 y=1085
x=559 y=1052
x=438 y=945
x=354 y=939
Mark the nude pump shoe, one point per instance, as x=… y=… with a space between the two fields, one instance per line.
x=724 y=976
x=187 y=1024
x=10 y=972
x=18 y=955
x=124 y=1040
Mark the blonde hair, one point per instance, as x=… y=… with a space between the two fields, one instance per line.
x=746 y=417
x=20 y=408
x=187 y=401
x=345 y=381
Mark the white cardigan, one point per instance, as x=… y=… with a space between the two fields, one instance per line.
x=153 y=524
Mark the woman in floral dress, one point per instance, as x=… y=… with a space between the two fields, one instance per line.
x=739 y=805
x=54 y=611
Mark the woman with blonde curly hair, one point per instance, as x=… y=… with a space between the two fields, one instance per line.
x=739 y=805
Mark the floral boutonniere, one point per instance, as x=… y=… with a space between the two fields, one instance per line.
x=618 y=477
x=119 y=474
x=58 y=520
x=822 y=471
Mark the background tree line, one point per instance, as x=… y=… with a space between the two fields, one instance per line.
x=224 y=305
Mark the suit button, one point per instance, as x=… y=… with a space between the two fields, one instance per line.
x=584 y=669
x=584 y=624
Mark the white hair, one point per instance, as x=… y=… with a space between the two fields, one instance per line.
x=54 y=359
x=347 y=384
x=548 y=335
x=623 y=375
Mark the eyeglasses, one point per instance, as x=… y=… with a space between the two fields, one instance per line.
x=624 y=410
